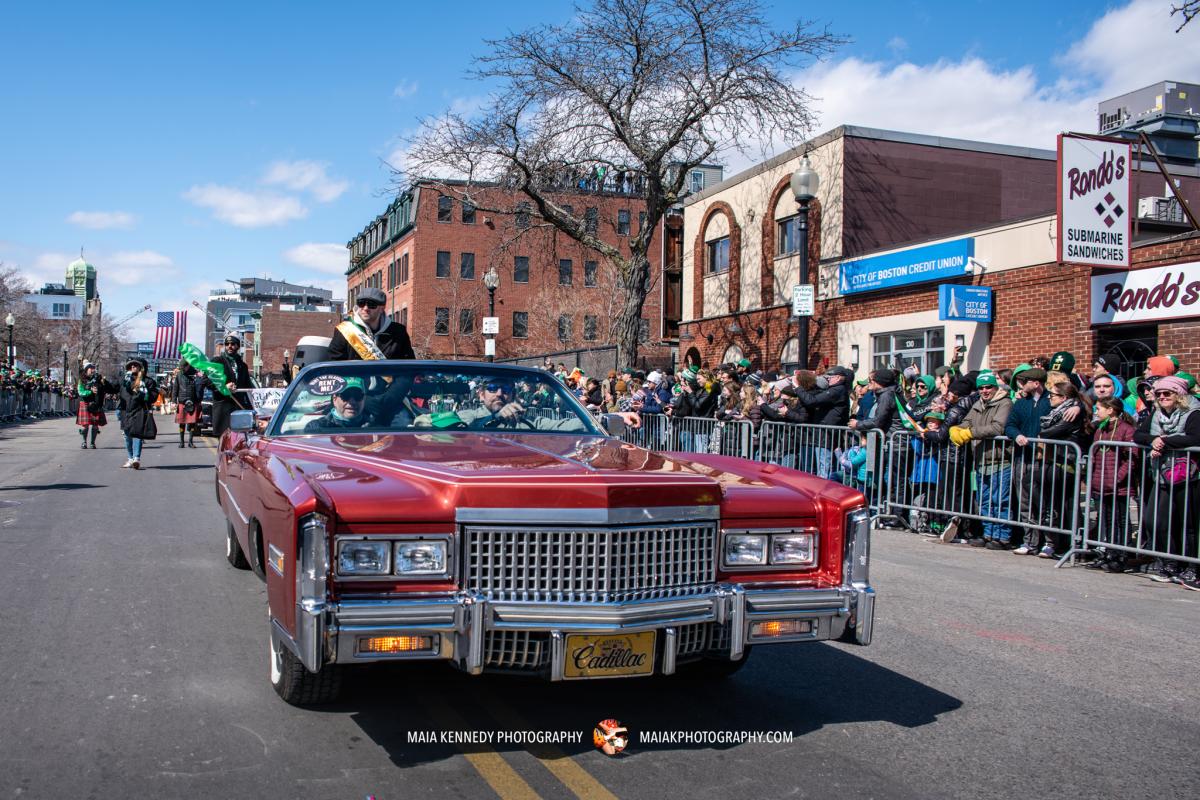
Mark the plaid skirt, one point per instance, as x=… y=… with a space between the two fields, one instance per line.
x=83 y=417
x=184 y=418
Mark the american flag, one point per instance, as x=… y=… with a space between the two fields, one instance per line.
x=169 y=333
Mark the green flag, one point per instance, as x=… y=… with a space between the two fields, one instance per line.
x=215 y=372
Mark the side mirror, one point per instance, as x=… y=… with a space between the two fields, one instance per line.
x=241 y=421
x=613 y=424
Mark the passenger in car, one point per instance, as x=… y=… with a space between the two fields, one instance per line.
x=347 y=411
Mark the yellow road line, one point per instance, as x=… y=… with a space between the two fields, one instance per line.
x=581 y=782
x=490 y=765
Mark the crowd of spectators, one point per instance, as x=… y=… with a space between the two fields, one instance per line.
x=993 y=445
x=26 y=393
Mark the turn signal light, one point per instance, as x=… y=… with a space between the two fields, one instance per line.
x=780 y=627
x=394 y=644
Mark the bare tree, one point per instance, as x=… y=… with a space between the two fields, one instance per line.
x=1187 y=10
x=643 y=89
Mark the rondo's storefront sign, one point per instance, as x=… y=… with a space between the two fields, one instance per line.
x=933 y=262
x=1145 y=295
x=1094 y=199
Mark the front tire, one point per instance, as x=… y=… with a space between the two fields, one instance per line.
x=292 y=681
x=233 y=550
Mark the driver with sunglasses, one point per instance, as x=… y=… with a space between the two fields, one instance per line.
x=498 y=409
x=368 y=316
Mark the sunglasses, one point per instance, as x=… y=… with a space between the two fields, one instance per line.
x=1163 y=393
x=368 y=304
x=498 y=387
x=352 y=396
x=1056 y=394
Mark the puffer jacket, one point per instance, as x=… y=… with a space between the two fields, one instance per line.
x=830 y=406
x=1111 y=465
x=188 y=387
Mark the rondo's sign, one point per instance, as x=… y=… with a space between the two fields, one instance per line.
x=1146 y=294
x=1094 y=197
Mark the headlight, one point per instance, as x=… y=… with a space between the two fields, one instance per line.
x=745 y=550
x=364 y=558
x=421 y=558
x=792 y=548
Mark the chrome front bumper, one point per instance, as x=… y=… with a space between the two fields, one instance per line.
x=330 y=633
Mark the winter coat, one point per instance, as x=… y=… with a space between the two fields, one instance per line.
x=925 y=464
x=656 y=401
x=391 y=339
x=796 y=414
x=1111 y=465
x=865 y=404
x=829 y=406
x=237 y=373
x=986 y=420
x=188 y=387
x=1025 y=420
x=137 y=414
x=883 y=416
x=699 y=402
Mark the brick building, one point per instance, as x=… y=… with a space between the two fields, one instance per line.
x=984 y=210
x=429 y=252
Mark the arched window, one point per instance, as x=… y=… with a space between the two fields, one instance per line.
x=789 y=356
x=733 y=354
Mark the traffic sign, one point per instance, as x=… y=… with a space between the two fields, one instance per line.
x=804 y=300
x=491 y=325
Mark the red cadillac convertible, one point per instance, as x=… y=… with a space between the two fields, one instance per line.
x=477 y=514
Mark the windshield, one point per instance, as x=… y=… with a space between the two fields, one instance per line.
x=399 y=396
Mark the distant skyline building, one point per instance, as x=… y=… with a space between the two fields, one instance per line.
x=1168 y=112
x=235 y=305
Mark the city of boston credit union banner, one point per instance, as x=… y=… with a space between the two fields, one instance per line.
x=1094 y=200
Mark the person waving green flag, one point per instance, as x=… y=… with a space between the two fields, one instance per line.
x=215 y=372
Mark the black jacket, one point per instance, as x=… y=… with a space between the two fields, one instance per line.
x=238 y=373
x=884 y=417
x=797 y=413
x=1189 y=438
x=391 y=339
x=828 y=406
x=697 y=403
x=137 y=412
x=328 y=423
x=188 y=387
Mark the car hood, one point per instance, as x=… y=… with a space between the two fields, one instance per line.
x=427 y=477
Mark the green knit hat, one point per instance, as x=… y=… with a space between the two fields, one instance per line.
x=986 y=379
x=744 y=363
x=1189 y=378
x=935 y=415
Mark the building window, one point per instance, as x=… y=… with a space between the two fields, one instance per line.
x=466 y=320
x=441 y=321
x=697 y=180
x=521 y=269
x=926 y=349
x=643 y=330
x=564 y=327
x=789 y=356
x=788 y=236
x=565 y=268
x=445 y=208
x=466 y=267
x=733 y=354
x=718 y=256
x=443 y=264
x=520 y=324
x=623 y=222
x=590 y=268
x=392 y=273
x=591 y=220
x=404 y=316
x=468 y=213
x=404 y=268
x=522 y=215
x=589 y=327
x=60 y=309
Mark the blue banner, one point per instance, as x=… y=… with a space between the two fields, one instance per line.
x=145 y=347
x=964 y=303
x=931 y=263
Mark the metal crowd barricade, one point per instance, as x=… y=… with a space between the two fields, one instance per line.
x=1030 y=493
x=653 y=433
x=835 y=452
x=707 y=435
x=1141 y=504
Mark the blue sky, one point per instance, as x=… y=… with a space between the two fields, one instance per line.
x=183 y=145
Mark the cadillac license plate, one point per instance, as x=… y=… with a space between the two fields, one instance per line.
x=609 y=655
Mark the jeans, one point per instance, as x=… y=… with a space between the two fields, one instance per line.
x=824 y=461
x=993 y=502
x=133 y=447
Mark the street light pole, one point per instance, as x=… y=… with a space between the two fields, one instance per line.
x=49 y=341
x=804 y=187
x=10 y=356
x=64 y=380
x=492 y=281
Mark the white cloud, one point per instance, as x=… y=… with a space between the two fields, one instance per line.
x=325 y=257
x=338 y=287
x=405 y=89
x=137 y=267
x=307 y=176
x=246 y=209
x=102 y=220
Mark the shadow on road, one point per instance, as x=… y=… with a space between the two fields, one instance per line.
x=49 y=486
x=796 y=688
x=180 y=466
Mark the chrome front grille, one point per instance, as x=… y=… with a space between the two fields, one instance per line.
x=516 y=649
x=597 y=565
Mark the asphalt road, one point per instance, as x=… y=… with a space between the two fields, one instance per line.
x=134 y=664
